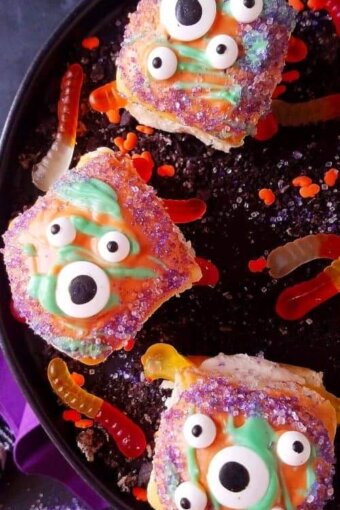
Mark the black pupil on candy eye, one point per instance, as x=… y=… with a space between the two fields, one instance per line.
x=234 y=477
x=55 y=229
x=82 y=289
x=188 y=12
x=249 y=3
x=196 y=430
x=298 y=447
x=221 y=49
x=112 y=246
x=157 y=62
x=185 y=504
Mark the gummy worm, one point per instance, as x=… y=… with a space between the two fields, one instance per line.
x=285 y=259
x=309 y=112
x=59 y=157
x=296 y=301
x=128 y=436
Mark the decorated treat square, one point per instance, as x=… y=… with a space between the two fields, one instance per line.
x=95 y=257
x=227 y=445
x=205 y=67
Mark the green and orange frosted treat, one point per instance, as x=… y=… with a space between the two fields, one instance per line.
x=204 y=67
x=241 y=432
x=95 y=257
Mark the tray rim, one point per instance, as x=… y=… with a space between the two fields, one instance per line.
x=8 y=133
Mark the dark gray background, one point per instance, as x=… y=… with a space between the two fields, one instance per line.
x=24 y=27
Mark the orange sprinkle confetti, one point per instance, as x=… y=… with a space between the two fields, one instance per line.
x=267 y=195
x=291 y=76
x=280 y=89
x=78 y=378
x=140 y=494
x=71 y=415
x=90 y=43
x=119 y=141
x=309 y=191
x=83 y=424
x=297 y=50
x=296 y=4
x=166 y=170
x=258 y=265
x=130 y=142
x=316 y=5
x=267 y=127
x=301 y=180
x=146 y=130
x=113 y=116
x=331 y=176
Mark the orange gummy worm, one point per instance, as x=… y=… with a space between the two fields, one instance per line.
x=309 y=112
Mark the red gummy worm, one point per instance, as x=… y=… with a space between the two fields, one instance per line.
x=185 y=211
x=68 y=106
x=298 y=300
x=129 y=437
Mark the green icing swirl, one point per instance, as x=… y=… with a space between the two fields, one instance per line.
x=258 y=435
x=42 y=287
x=193 y=468
x=91 y=194
x=29 y=250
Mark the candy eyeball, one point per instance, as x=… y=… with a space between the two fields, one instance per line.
x=187 y=20
x=189 y=496
x=238 y=477
x=83 y=290
x=293 y=448
x=162 y=63
x=60 y=232
x=199 y=431
x=114 y=247
x=222 y=51
x=246 y=11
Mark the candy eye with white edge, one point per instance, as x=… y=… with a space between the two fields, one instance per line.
x=83 y=289
x=189 y=496
x=222 y=51
x=199 y=431
x=238 y=477
x=187 y=20
x=162 y=63
x=246 y=11
x=293 y=448
x=61 y=232
x=114 y=247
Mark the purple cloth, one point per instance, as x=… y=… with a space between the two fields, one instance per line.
x=33 y=451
